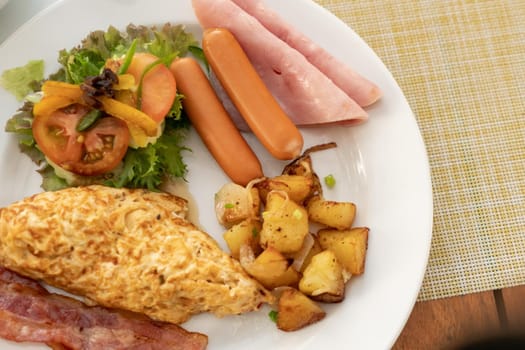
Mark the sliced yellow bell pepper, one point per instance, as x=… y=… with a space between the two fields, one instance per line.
x=129 y=114
x=59 y=88
x=125 y=82
x=49 y=104
x=59 y=94
x=140 y=139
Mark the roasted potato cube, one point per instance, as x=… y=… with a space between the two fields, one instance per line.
x=290 y=277
x=339 y=215
x=245 y=232
x=296 y=310
x=269 y=268
x=234 y=203
x=303 y=167
x=349 y=246
x=285 y=224
x=316 y=249
x=298 y=187
x=302 y=257
x=323 y=278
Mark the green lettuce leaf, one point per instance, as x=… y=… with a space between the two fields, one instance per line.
x=149 y=166
x=88 y=58
x=20 y=125
x=50 y=180
x=80 y=64
x=176 y=109
x=144 y=167
x=19 y=80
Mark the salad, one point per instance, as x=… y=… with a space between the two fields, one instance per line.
x=111 y=114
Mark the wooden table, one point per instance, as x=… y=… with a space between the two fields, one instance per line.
x=452 y=323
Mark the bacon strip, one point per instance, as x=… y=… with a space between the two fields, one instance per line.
x=307 y=95
x=362 y=90
x=29 y=313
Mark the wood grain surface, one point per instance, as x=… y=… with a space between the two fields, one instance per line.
x=487 y=320
x=514 y=307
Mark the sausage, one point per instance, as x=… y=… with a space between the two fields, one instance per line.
x=251 y=97
x=213 y=124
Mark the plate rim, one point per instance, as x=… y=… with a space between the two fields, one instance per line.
x=340 y=23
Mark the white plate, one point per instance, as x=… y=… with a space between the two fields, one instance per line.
x=381 y=166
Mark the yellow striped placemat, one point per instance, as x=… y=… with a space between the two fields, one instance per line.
x=461 y=65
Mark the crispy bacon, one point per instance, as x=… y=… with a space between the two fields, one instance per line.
x=29 y=313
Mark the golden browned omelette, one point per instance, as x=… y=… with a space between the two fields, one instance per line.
x=128 y=249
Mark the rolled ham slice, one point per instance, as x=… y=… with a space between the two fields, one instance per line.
x=307 y=95
x=362 y=90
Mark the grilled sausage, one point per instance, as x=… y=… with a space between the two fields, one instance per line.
x=210 y=119
x=252 y=98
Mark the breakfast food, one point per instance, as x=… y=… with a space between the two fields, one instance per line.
x=212 y=123
x=306 y=95
x=258 y=107
x=359 y=88
x=111 y=114
x=135 y=250
x=274 y=243
x=65 y=323
x=297 y=311
x=127 y=249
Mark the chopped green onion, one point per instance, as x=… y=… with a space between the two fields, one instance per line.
x=273 y=315
x=255 y=232
x=88 y=120
x=128 y=58
x=329 y=180
x=139 y=88
x=297 y=214
x=229 y=205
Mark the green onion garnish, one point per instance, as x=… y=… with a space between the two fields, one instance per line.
x=128 y=58
x=88 y=120
x=273 y=315
x=165 y=61
x=329 y=180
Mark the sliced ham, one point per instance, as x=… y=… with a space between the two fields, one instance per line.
x=29 y=313
x=307 y=95
x=362 y=90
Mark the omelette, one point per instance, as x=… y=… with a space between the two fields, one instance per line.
x=126 y=249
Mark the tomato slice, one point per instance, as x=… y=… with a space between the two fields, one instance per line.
x=95 y=151
x=158 y=86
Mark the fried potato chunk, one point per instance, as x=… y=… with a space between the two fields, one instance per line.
x=245 y=232
x=298 y=187
x=349 y=246
x=267 y=267
x=285 y=223
x=296 y=311
x=323 y=278
x=339 y=215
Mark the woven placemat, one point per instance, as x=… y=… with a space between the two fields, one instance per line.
x=461 y=65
